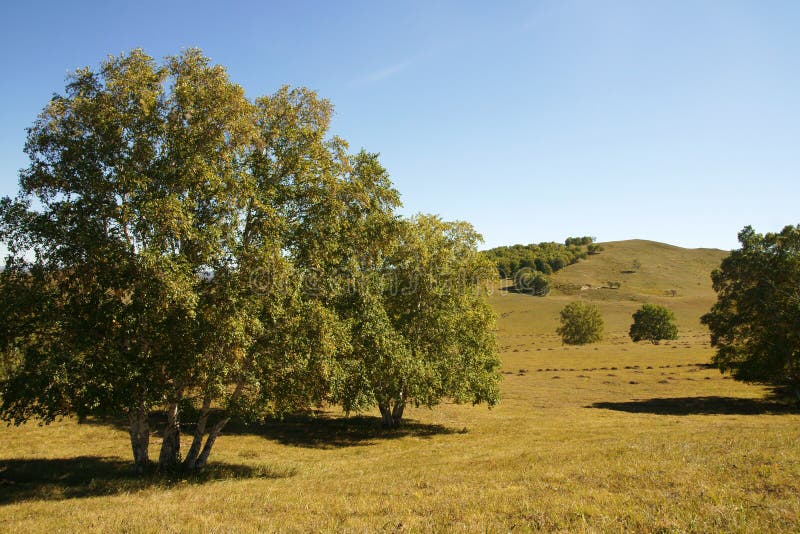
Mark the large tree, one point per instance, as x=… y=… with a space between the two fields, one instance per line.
x=157 y=249
x=755 y=323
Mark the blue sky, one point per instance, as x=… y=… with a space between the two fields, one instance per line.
x=673 y=121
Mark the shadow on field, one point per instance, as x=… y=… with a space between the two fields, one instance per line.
x=701 y=406
x=325 y=432
x=91 y=476
x=511 y=288
x=314 y=430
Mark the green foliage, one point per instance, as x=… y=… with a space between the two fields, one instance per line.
x=527 y=280
x=578 y=241
x=545 y=258
x=755 y=323
x=653 y=323
x=421 y=327
x=175 y=243
x=594 y=248
x=581 y=323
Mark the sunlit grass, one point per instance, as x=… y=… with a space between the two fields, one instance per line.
x=606 y=437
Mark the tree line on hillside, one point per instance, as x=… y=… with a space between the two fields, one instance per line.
x=175 y=243
x=530 y=266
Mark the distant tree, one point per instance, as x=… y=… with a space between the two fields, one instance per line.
x=594 y=248
x=755 y=323
x=653 y=323
x=532 y=281
x=581 y=323
x=543 y=257
x=636 y=265
x=579 y=241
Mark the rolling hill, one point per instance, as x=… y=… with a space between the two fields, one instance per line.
x=664 y=269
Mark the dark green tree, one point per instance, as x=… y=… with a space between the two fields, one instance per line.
x=581 y=323
x=755 y=323
x=653 y=323
x=528 y=280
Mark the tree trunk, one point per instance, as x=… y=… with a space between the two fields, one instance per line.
x=386 y=415
x=197 y=442
x=140 y=438
x=212 y=437
x=171 y=444
x=397 y=412
x=391 y=416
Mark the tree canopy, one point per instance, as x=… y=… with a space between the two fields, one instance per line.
x=174 y=242
x=421 y=325
x=755 y=323
x=653 y=323
x=581 y=323
x=545 y=258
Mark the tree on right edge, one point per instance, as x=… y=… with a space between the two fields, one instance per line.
x=755 y=324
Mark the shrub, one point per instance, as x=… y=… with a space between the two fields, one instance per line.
x=581 y=323
x=653 y=323
x=530 y=281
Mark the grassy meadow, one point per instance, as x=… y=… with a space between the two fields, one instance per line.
x=607 y=437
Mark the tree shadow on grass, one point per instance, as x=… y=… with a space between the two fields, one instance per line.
x=322 y=431
x=702 y=406
x=318 y=430
x=23 y=479
x=511 y=288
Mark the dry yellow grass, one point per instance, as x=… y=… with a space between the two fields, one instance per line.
x=608 y=437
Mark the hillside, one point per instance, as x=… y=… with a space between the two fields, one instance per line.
x=663 y=268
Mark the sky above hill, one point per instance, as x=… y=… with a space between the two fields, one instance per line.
x=673 y=121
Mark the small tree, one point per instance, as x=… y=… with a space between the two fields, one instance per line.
x=421 y=325
x=581 y=323
x=528 y=280
x=653 y=323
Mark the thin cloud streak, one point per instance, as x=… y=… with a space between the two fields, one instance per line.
x=381 y=74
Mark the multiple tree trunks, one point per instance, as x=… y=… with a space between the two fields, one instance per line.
x=392 y=416
x=239 y=184
x=169 y=457
x=197 y=441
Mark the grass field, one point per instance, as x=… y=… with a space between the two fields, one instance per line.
x=607 y=437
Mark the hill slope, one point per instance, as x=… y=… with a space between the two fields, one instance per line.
x=664 y=268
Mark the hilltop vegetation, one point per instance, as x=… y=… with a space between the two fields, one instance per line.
x=545 y=258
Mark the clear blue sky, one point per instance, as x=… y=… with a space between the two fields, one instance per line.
x=673 y=121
